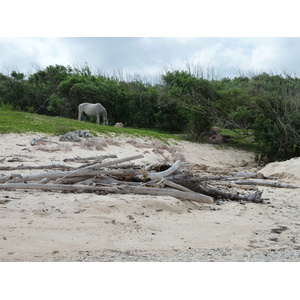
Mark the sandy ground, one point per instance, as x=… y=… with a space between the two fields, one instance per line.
x=55 y=226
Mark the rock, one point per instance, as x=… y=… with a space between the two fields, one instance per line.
x=216 y=139
x=119 y=124
x=215 y=129
x=220 y=139
x=75 y=136
x=207 y=134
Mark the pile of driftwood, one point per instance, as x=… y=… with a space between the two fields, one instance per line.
x=122 y=176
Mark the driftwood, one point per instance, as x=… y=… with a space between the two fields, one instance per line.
x=266 y=183
x=87 y=159
x=195 y=185
x=169 y=183
x=233 y=185
x=63 y=176
x=123 y=189
x=87 y=170
x=158 y=175
x=123 y=176
x=22 y=167
x=90 y=170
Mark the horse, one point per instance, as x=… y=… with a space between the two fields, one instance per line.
x=91 y=109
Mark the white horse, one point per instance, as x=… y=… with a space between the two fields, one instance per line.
x=90 y=109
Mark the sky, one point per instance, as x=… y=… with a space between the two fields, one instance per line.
x=221 y=38
x=151 y=56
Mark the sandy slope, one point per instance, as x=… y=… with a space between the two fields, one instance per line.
x=51 y=226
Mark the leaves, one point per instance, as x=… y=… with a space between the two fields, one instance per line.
x=265 y=105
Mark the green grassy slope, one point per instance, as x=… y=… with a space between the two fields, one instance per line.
x=21 y=122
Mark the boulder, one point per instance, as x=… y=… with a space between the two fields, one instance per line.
x=75 y=136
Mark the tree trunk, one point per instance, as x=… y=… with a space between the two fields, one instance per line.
x=193 y=184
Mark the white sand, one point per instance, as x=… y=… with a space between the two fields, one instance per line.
x=49 y=226
x=289 y=169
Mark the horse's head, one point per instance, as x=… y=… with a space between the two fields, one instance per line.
x=105 y=122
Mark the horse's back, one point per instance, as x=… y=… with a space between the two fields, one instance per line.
x=85 y=104
x=91 y=108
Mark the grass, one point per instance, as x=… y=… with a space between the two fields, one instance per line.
x=12 y=121
x=22 y=122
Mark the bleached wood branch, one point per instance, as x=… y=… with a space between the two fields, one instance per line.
x=166 y=182
x=145 y=175
x=88 y=169
x=194 y=184
x=121 y=173
x=266 y=183
x=122 y=189
x=87 y=159
x=22 y=167
x=233 y=185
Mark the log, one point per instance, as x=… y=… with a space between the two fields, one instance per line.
x=254 y=197
x=159 y=175
x=5 y=178
x=44 y=181
x=87 y=159
x=266 y=183
x=237 y=176
x=120 y=173
x=193 y=184
x=74 y=180
x=174 y=185
x=88 y=169
x=124 y=189
x=22 y=167
x=232 y=185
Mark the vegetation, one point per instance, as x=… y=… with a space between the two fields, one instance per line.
x=22 y=122
x=262 y=107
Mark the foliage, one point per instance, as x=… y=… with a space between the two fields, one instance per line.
x=193 y=98
x=22 y=122
x=264 y=106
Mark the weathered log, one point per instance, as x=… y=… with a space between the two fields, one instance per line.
x=254 y=197
x=166 y=182
x=87 y=170
x=44 y=181
x=92 y=170
x=123 y=174
x=76 y=179
x=233 y=185
x=266 y=183
x=16 y=178
x=159 y=175
x=5 y=178
x=87 y=159
x=22 y=167
x=237 y=176
x=122 y=189
x=195 y=185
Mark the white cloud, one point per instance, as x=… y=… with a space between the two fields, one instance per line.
x=148 y=56
x=22 y=53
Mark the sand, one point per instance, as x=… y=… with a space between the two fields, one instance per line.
x=55 y=226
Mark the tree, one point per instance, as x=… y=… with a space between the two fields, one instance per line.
x=194 y=98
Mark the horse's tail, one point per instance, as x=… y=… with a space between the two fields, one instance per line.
x=105 y=121
x=79 y=112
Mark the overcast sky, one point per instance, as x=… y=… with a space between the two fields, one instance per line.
x=130 y=36
x=150 y=56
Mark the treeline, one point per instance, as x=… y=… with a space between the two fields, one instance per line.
x=263 y=106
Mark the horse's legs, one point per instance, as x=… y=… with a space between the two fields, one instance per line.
x=98 y=119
